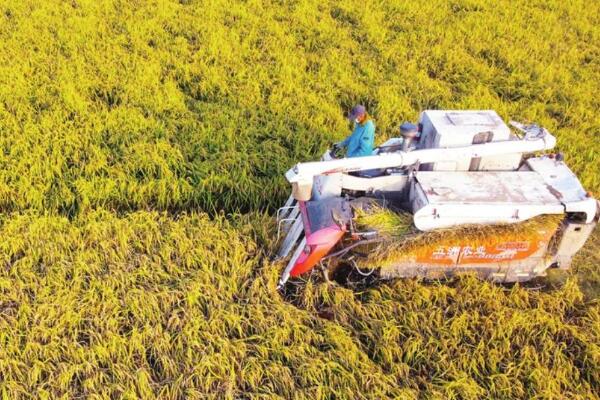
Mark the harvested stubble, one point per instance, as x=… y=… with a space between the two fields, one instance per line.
x=399 y=237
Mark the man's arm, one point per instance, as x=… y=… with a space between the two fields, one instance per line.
x=344 y=143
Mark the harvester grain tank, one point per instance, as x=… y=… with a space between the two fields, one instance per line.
x=455 y=169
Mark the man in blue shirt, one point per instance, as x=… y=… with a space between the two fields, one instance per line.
x=360 y=142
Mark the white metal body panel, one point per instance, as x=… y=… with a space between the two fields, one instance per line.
x=505 y=162
x=456 y=128
x=560 y=177
x=456 y=198
x=391 y=142
x=522 y=187
x=573 y=238
x=563 y=183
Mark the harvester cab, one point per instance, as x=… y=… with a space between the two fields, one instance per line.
x=456 y=171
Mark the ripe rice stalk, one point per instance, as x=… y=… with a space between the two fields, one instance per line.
x=401 y=238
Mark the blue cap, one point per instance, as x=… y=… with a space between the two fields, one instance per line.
x=407 y=127
x=357 y=111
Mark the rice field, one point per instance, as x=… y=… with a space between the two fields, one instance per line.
x=142 y=152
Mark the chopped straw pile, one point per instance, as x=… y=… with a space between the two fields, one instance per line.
x=400 y=238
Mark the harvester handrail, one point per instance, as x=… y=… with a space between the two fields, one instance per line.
x=304 y=173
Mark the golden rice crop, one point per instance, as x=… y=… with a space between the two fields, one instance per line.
x=142 y=147
x=175 y=105
x=147 y=306
x=388 y=223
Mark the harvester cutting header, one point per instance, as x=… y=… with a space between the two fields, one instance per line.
x=455 y=171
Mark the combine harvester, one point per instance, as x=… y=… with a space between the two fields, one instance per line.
x=456 y=169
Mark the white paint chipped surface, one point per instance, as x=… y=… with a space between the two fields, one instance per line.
x=559 y=177
x=519 y=187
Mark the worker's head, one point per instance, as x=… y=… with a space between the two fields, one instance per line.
x=358 y=114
